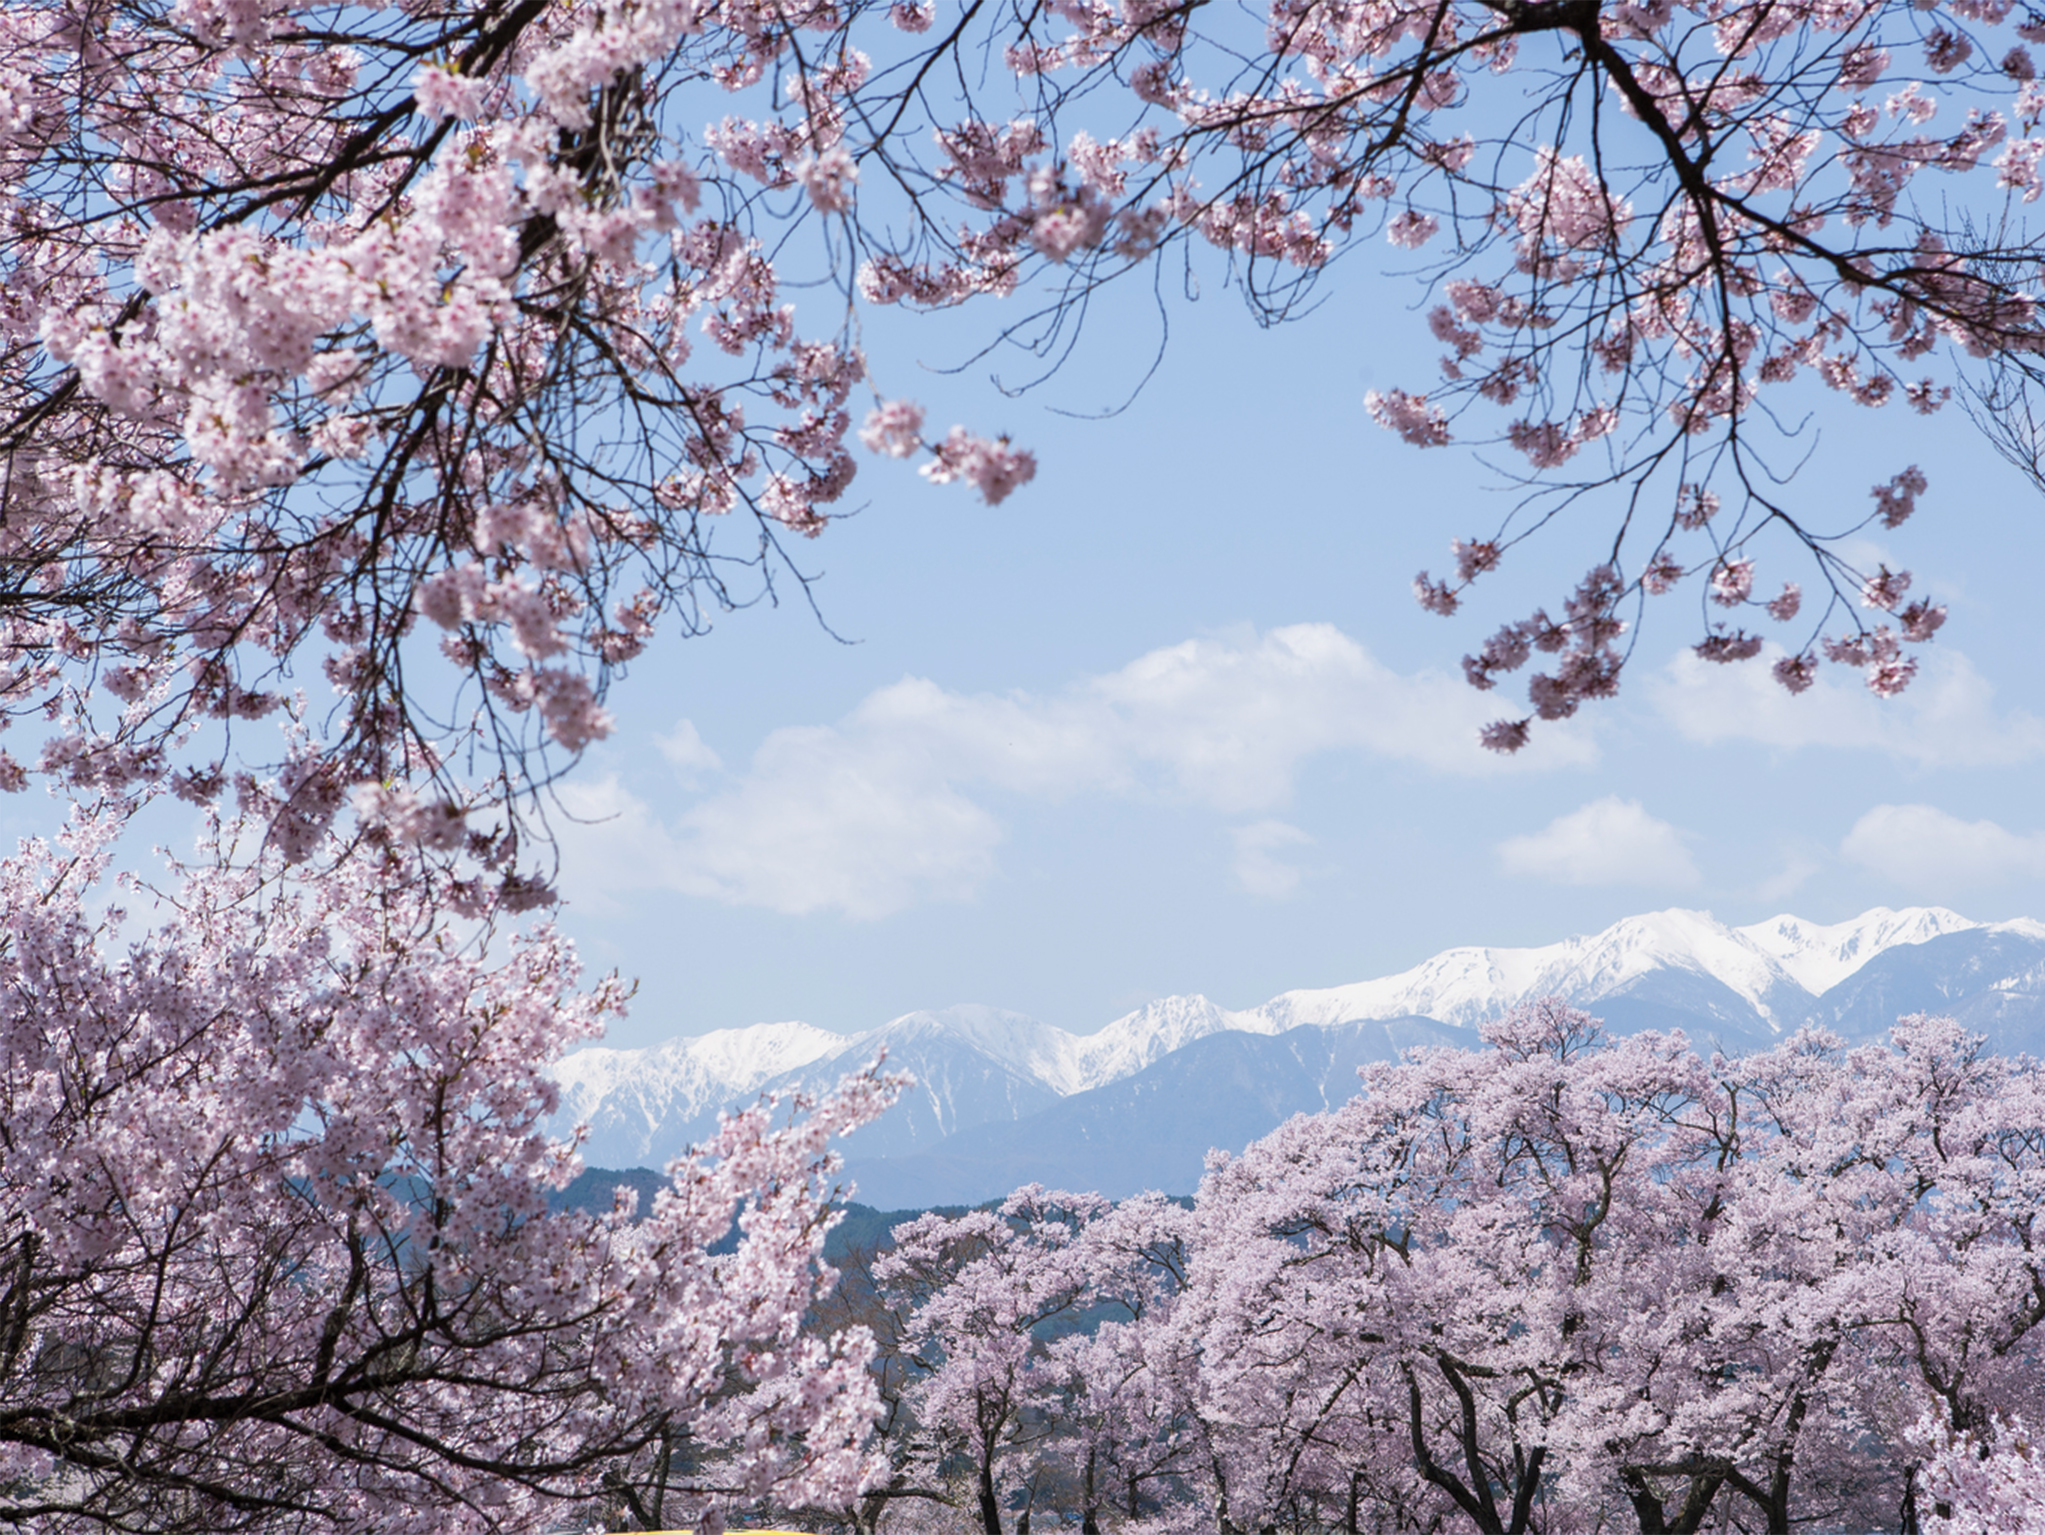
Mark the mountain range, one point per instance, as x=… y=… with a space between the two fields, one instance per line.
x=1001 y=1099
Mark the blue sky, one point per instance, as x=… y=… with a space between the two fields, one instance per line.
x=1169 y=721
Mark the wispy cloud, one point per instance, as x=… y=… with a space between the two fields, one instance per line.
x=1791 y=878
x=889 y=806
x=1929 y=851
x=1947 y=718
x=1610 y=841
x=1259 y=869
x=687 y=752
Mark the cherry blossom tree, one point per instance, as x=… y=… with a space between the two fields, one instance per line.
x=1117 y=1435
x=1422 y=1279
x=422 y=348
x=985 y=1296
x=1115 y=1432
x=1957 y=1323
x=916 y=1484
x=275 y=1244
x=978 y=1287
x=1565 y=1282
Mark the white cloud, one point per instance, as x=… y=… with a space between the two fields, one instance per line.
x=611 y=843
x=841 y=841
x=884 y=808
x=1926 y=849
x=1258 y=868
x=1610 y=841
x=687 y=752
x=1947 y=718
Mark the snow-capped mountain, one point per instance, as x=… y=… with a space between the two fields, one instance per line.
x=1819 y=958
x=1001 y=1093
x=626 y=1095
x=1774 y=969
x=1152 y=1128
x=972 y=1065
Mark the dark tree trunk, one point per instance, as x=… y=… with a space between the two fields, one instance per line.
x=990 y=1510
x=1698 y=1495
x=1475 y=1496
x=1223 y=1525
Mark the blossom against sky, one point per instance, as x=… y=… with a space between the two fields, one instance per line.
x=1167 y=719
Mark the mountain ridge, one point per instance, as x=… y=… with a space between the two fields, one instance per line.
x=982 y=1072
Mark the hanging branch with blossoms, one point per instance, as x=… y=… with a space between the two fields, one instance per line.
x=441 y=351
x=335 y=337
x=1643 y=224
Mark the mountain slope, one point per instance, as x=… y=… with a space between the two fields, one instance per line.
x=1991 y=979
x=972 y=1065
x=1152 y=1129
x=632 y=1100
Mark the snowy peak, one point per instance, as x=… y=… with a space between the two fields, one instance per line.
x=1064 y=1062
x=1465 y=986
x=635 y=1091
x=1819 y=958
x=1776 y=968
x=1038 y=1051
x=734 y=1059
x=1136 y=1040
x=744 y=1058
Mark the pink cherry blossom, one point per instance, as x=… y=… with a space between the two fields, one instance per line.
x=1435 y=596
x=993 y=467
x=1885 y=588
x=1697 y=506
x=1732 y=581
x=1410 y=230
x=1796 y=673
x=1474 y=557
x=1505 y=736
x=1727 y=646
x=1410 y=416
x=1921 y=620
x=1566 y=203
x=440 y=94
x=894 y=427
x=1895 y=501
x=829 y=178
